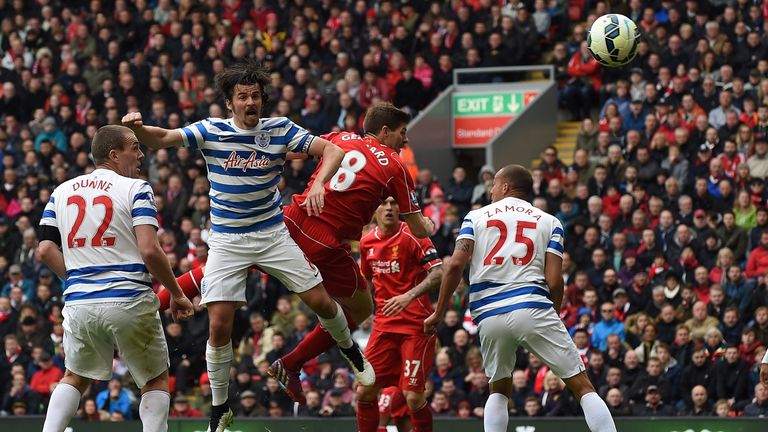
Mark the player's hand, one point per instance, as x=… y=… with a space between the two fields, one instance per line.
x=133 y=120
x=394 y=305
x=315 y=200
x=181 y=308
x=764 y=373
x=430 y=324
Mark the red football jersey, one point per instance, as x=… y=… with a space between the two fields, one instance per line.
x=396 y=264
x=369 y=173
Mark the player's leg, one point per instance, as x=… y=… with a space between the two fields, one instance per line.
x=368 y=408
x=155 y=404
x=383 y=351
x=342 y=279
x=496 y=413
x=283 y=259
x=222 y=291
x=88 y=352
x=498 y=344
x=549 y=340
x=138 y=334
x=417 y=353
x=64 y=401
x=357 y=308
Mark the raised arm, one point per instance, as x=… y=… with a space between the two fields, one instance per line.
x=331 y=155
x=153 y=137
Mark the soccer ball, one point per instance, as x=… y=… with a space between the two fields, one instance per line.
x=612 y=40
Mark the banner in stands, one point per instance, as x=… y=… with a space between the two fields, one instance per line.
x=678 y=424
x=478 y=117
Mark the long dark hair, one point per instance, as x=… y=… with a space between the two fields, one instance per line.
x=243 y=73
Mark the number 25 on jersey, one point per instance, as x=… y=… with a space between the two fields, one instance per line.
x=520 y=237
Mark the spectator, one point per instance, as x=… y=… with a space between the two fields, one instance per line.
x=181 y=408
x=730 y=378
x=44 y=380
x=759 y=407
x=115 y=399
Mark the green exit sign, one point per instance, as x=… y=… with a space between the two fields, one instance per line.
x=487 y=104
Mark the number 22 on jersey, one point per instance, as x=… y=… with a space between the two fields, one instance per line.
x=98 y=239
x=520 y=237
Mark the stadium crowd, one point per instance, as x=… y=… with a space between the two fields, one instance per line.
x=664 y=205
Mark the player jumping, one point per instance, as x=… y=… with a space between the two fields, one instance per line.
x=515 y=295
x=245 y=155
x=109 y=247
x=370 y=172
x=401 y=269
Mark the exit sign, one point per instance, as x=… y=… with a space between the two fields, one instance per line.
x=479 y=117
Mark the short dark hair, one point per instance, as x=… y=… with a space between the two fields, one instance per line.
x=384 y=114
x=108 y=138
x=518 y=177
x=243 y=73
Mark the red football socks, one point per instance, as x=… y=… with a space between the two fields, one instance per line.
x=368 y=416
x=314 y=343
x=189 y=283
x=422 y=419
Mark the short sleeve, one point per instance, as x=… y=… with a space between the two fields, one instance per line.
x=555 y=244
x=49 y=214
x=467 y=230
x=365 y=265
x=401 y=188
x=194 y=135
x=143 y=208
x=298 y=139
x=427 y=254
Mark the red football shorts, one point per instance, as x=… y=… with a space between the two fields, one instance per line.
x=341 y=274
x=401 y=360
x=392 y=403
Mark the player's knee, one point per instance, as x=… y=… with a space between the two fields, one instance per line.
x=367 y=393
x=317 y=299
x=159 y=382
x=414 y=400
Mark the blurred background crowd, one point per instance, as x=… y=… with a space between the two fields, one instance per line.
x=664 y=204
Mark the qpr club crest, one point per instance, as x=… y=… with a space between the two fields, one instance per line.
x=261 y=139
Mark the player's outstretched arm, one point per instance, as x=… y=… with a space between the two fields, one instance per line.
x=332 y=156
x=158 y=265
x=452 y=272
x=553 y=275
x=420 y=225
x=764 y=370
x=153 y=137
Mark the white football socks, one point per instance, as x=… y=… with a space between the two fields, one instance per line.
x=61 y=408
x=153 y=410
x=218 y=361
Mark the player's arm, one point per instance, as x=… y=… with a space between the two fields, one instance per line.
x=49 y=252
x=452 y=272
x=158 y=265
x=420 y=225
x=332 y=156
x=153 y=137
x=396 y=304
x=764 y=370
x=553 y=275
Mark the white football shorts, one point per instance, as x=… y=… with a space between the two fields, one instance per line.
x=93 y=330
x=540 y=331
x=271 y=249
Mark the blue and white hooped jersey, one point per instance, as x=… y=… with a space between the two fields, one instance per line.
x=244 y=168
x=511 y=238
x=96 y=214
